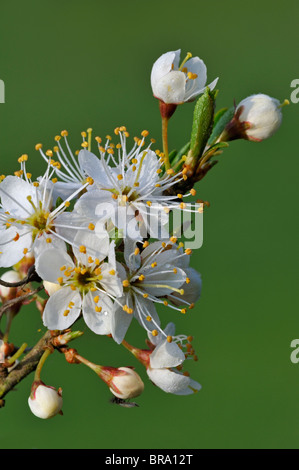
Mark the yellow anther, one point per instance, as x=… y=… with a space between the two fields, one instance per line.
x=169 y=339
x=56 y=149
x=60 y=280
x=16 y=238
x=89 y=180
x=192 y=76
x=145 y=296
x=145 y=133
x=91 y=226
x=98 y=309
x=188 y=251
x=148 y=318
x=136 y=185
x=73 y=287
x=83 y=271
x=165 y=303
x=66 y=312
x=82 y=249
x=188 y=56
x=137 y=251
x=29 y=175
x=112 y=272
x=126 y=283
x=25 y=251
x=49 y=153
x=38 y=146
x=90 y=259
x=134 y=167
x=154 y=264
x=97 y=261
x=57 y=138
x=97 y=271
x=134 y=160
x=98 y=139
x=183 y=310
x=77 y=270
x=193 y=192
x=175 y=270
x=63 y=268
x=84 y=144
x=96 y=299
x=149 y=203
x=119 y=177
x=64 y=133
x=108 y=137
x=84 y=134
x=141 y=277
x=110 y=151
x=49 y=240
x=145 y=244
x=67 y=203
x=183 y=205
x=54 y=180
x=71 y=305
x=191 y=306
x=114 y=196
x=153 y=141
x=155 y=333
x=182 y=292
x=170 y=171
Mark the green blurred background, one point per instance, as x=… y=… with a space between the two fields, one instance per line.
x=73 y=65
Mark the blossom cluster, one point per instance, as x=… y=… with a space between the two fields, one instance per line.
x=94 y=227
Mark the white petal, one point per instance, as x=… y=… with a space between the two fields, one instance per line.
x=168 y=380
x=93 y=167
x=120 y=321
x=11 y=251
x=98 y=322
x=54 y=317
x=49 y=262
x=111 y=282
x=171 y=88
x=14 y=198
x=162 y=66
x=166 y=355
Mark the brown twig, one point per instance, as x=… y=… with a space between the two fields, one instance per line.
x=26 y=366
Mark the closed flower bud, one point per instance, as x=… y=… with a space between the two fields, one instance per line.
x=256 y=118
x=126 y=383
x=44 y=401
x=8 y=293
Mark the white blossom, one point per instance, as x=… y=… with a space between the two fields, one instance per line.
x=45 y=402
x=173 y=83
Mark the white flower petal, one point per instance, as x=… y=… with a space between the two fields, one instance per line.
x=166 y=355
x=62 y=301
x=14 y=192
x=98 y=322
x=50 y=261
x=162 y=66
x=168 y=380
x=171 y=88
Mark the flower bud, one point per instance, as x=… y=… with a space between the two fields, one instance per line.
x=44 y=401
x=256 y=118
x=126 y=383
x=8 y=293
x=51 y=287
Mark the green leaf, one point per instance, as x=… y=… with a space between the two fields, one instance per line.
x=224 y=119
x=202 y=126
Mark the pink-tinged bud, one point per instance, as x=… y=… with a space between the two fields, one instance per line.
x=44 y=401
x=126 y=383
x=9 y=293
x=256 y=118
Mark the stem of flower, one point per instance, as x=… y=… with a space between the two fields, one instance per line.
x=41 y=363
x=18 y=354
x=165 y=142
